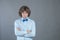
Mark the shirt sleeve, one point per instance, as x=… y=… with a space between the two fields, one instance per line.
x=33 y=33
x=18 y=33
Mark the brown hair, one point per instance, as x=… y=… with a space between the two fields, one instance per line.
x=24 y=8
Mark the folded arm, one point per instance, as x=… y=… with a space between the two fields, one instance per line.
x=32 y=32
x=18 y=31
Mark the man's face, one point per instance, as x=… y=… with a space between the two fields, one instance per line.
x=24 y=14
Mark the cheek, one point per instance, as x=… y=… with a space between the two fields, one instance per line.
x=26 y=14
x=22 y=14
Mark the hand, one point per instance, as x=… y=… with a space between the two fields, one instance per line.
x=28 y=31
x=18 y=29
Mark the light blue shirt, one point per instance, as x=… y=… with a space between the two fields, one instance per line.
x=27 y=25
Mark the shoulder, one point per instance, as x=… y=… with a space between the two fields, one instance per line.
x=17 y=20
x=32 y=21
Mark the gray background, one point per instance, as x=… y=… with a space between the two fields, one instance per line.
x=46 y=14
